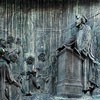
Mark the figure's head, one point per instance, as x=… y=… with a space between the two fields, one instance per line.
x=30 y=60
x=10 y=39
x=80 y=19
x=3 y=43
x=13 y=57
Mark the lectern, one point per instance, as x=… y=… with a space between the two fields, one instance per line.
x=69 y=79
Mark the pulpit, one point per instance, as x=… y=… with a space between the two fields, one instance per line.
x=69 y=79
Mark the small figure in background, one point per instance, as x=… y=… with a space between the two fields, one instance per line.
x=30 y=77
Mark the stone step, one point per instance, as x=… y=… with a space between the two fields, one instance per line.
x=44 y=96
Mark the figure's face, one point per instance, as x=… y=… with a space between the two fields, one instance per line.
x=13 y=57
x=3 y=43
x=78 y=20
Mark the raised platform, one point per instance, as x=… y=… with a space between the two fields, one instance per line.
x=77 y=72
x=37 y=96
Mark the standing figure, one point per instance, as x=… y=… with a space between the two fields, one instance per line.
x=5 y=76
x=84 y=36
x=29 y=82
x=82 y=40
x=31 y=74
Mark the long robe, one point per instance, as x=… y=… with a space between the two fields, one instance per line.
x=84 y=39
x=5 y=77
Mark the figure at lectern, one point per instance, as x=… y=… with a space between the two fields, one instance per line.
x=83 y=39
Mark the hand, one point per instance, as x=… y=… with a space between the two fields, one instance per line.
x=17 y=84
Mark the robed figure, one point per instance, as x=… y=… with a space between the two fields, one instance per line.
x=5 y=76
x=82 y=40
